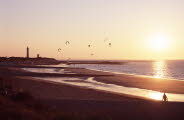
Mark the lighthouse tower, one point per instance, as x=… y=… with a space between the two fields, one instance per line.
x=27 y=52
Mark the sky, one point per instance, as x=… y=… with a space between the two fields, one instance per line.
x=137 y=29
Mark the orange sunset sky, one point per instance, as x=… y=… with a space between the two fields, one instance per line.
x=137 y=29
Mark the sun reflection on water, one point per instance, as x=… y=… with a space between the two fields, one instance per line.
x=159 y=69
x=155 y=95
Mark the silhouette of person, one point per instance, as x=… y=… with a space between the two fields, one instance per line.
x=165 y=99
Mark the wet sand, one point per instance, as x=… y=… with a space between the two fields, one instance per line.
x=47 y=90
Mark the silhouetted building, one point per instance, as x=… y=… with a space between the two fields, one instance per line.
x=38 y=55
x=27 y=52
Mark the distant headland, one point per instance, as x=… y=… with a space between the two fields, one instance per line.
x=27 y=61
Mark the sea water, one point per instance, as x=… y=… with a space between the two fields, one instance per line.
x=157 y=69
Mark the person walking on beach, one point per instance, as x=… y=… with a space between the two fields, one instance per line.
x=164 y=99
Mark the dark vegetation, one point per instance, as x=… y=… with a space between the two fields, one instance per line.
x=18 y=105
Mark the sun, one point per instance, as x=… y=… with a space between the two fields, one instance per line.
x=159 y=42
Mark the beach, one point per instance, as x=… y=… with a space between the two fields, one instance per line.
x=80 y=100
x=107 y=78
x=43 y=89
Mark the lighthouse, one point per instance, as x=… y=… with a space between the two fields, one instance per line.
x=27 y=52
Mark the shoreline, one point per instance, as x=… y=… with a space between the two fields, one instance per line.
x=128 y=80
x=105 y=77
x=123 y=80
x=114 y=94
x=20 y=82
x=136 y=75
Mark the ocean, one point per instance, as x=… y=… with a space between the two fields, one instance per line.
x=158 y=69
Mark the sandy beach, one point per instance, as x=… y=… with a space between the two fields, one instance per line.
x=156 y=84
x=71 y=99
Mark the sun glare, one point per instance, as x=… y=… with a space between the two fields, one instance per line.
x=159 y=42
x=156 y=95
x=159 y=68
